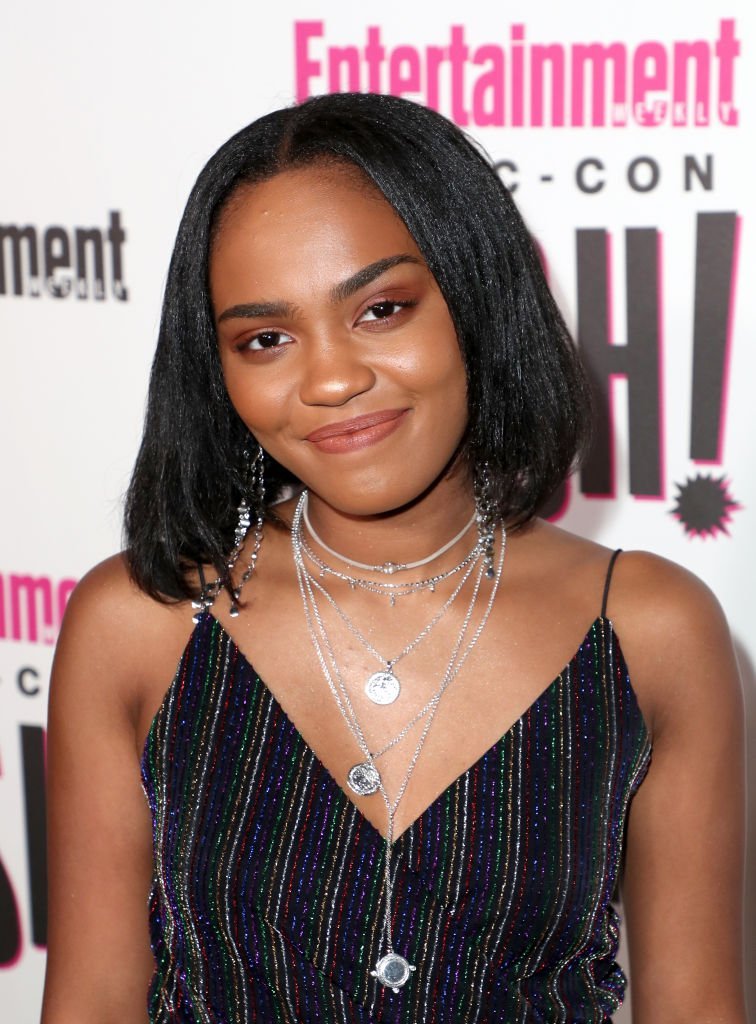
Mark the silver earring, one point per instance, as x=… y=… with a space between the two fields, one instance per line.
x=255 y=473
x=486 y=516
x=252 y=505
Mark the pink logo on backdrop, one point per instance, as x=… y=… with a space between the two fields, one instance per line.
x=526 y=83
x=31 y=607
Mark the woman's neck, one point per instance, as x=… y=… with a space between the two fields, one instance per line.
x=406 y=535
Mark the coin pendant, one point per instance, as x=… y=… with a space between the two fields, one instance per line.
x=382 y=688
x=363 y=779
x=393 y=971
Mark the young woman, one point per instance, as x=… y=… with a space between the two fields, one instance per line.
x=403 y=763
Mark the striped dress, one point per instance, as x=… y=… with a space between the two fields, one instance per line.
x=268 y=893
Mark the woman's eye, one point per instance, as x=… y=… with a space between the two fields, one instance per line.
x=383 y=310
x=265 y=340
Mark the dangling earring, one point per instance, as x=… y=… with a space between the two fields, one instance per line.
x=254 y=477
x=252 y=504
x=486 y=516
x=255 y=473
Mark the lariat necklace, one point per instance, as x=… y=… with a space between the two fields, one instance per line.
x=391 y=969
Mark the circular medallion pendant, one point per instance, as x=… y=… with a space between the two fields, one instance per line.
x=393 y=971
x=382 y=688
x=363 y=779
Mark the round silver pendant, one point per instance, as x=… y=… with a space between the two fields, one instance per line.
x=363 y=779
x=393 y=971
x=382 y=688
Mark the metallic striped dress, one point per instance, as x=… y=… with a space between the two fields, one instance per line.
x=268 y=886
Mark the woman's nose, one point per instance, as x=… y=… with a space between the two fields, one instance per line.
x=334 y=371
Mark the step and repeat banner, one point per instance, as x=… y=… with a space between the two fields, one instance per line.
x=626 y=136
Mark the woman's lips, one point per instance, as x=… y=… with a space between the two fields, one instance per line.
x=360 y=432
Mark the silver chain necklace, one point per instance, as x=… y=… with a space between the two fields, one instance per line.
x=388 y=568
x=363 y=779
x=384 y=588
x=384 y=687
x=343 y=701
x=391 y=969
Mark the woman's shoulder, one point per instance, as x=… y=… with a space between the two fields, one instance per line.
x=108 y=603
x=647 y=591
x=657 y=597
x=672 y=630
x=106 y=588
x=117 y=639
x=676 y=644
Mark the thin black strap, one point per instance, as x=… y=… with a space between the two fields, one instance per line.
x=203 y=584
x=607 y=582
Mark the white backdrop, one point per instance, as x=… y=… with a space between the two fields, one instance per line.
x=630 y=162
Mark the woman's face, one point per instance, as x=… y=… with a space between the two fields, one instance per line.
x=337 y=347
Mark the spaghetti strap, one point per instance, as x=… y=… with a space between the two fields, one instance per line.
x=607 y=582
x=201 y=572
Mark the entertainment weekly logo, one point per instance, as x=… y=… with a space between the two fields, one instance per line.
x=526 y=84
x=32 y=607
x=63 y=261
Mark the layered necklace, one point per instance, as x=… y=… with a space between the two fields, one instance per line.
x=392 y=969
x=388 y=589
x=387 y=568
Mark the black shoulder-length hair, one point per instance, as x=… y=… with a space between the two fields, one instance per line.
x=527 y=395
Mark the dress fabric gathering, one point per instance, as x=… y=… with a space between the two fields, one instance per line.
x=266 y=902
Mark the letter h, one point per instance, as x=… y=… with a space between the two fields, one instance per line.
x=638 y=360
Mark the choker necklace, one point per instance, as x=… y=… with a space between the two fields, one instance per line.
x=387 y=568
x=392 y=969
x=384 y=588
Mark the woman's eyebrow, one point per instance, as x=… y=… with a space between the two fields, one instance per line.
x=341 y=291
x=367 y=274
x=250 y=310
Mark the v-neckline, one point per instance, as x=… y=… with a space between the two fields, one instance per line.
x=339 y=791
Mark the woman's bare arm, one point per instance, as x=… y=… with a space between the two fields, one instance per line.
x=99 y=961
x=683 y=884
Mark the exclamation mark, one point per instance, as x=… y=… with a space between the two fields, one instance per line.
x=716 y=252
